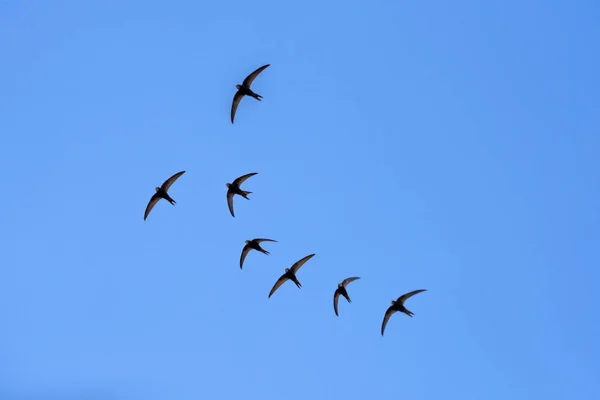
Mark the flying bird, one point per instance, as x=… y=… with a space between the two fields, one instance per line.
x=244 y=90
x=234 y=188
x=290 y=273
x=253 y=244
x=398 y=305
x=161 y=193
x=341 y=289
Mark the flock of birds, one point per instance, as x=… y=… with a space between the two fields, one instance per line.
x=233 y=189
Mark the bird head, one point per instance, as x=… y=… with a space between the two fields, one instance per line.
x=238 y=87
x=287 y=270
x=340 y=285
x=247 y=241
x=393 y=302
x=228 y=184
x=157 y=188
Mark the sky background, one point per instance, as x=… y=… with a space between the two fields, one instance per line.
x=450 y=146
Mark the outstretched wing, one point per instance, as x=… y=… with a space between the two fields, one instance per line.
x=167 y=184
x=408 y=295
x=348 y=280
x=279 y=282
x=245 y=252
x=241 y=179
x=237 y=97
x=388 y=314
x=336 y=296
x=258 y=240
x=250 y=78
x=230 y=202
x=153 y=200
x=300 y=263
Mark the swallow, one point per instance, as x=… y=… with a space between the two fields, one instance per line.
x=290 y=273
x=398 y=305
x=234 y=188
x=253 y=244
x=244 y=90
x=341 y=289
x=161 y=193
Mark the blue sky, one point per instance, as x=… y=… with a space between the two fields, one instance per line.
x=451 y=146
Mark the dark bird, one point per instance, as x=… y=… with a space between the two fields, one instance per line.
x=161 y=193
x=290 y=273
x=398 y=305
x=341 y=289
x=244 y=90
x=234 y=188
x=253 y=244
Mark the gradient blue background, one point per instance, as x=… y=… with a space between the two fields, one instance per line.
x=451 y=146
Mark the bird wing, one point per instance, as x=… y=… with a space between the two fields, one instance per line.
x=348 y=280
x=387 y=316
x=153 y=200
x=230 y=202
x=250 y=78
x=167 y=184
x=245 y=252
x=300 y=263
x=241 y=179
x=408 y=295
x=237 y=97
x=279 y=282
x=336 y=296
x=258 y=240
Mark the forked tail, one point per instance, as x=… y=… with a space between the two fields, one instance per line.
x=245 y=194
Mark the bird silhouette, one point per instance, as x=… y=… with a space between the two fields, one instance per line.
x=253 y=244
x=341 y=290
x=244 y=90
x=161 y=193
x=234 y=188
x=398 y=305
x=290 y=273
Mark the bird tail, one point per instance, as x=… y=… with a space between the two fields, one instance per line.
x=265 y=252
x=257 y=96
x=409 y=313
x=245 y=194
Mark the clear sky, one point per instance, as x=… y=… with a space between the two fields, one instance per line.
x=450 y=146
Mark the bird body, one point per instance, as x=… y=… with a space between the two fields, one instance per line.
x=341 y=290
x=161 y=193
x=290 y=274
x=398 y=305
x=233 y=188
x=244 y=90
x=253 y=244
x=164 y=195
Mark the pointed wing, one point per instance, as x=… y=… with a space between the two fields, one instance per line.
x=279 y=282
x=153 y=200
x=388 y=314
x=167 y=184
x=259 y=240
x=241 y=179
x=245 y=252
x=300 y=263
x=250 y=78
x=408 y=295
x=336 y=296
x=230 y=202
x=237 y=97
x=348 y=280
